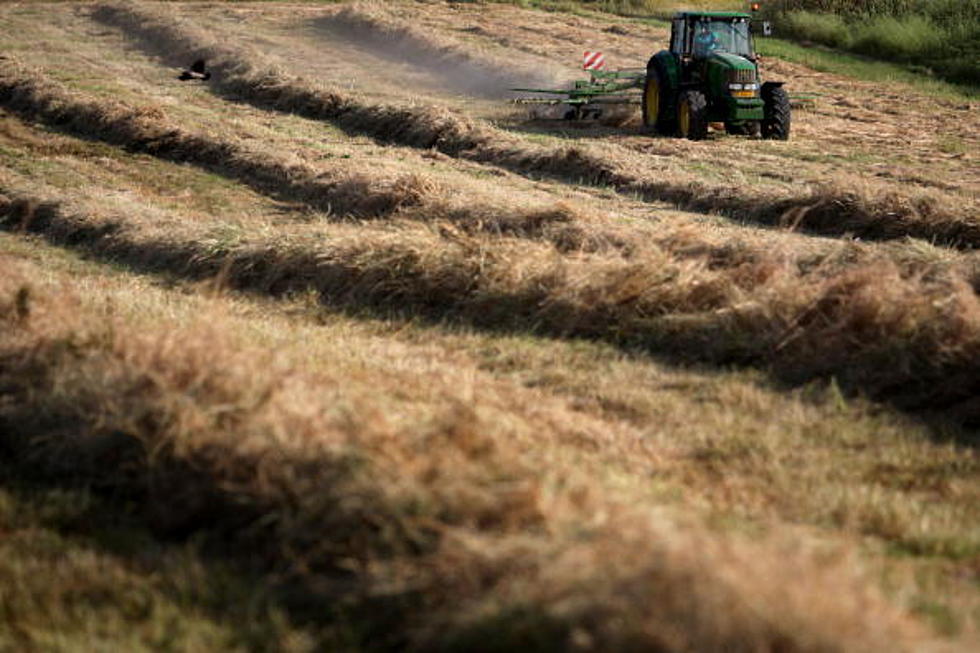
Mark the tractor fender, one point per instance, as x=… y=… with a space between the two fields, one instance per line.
x=667 y=62
x=768 y=85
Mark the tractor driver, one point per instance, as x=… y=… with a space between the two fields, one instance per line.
x=705 y=42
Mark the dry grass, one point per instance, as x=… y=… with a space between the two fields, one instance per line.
x=316 y=477
x=829 y=211
x=456 y=421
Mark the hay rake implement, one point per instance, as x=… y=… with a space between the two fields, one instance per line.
x=587 y=98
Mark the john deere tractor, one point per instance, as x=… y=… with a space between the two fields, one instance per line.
x=710 y=74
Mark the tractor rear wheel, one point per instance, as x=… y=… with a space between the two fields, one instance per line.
x=656 y=100
x=692 y=115
x=776 y=124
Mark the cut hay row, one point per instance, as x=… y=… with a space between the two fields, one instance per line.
x=829 y=211
x=410 y=197
x=367 y=194
x=432 y=536
x=419 y=268
x=333 y=189
x=247 y=76
x=418 y=197
x=148 y=130
x=913 y=340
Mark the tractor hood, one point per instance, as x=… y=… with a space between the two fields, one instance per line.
x=731 y=61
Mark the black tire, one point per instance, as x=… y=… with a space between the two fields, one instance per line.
x=692 y=115
x=656 y=105
x=776 y=124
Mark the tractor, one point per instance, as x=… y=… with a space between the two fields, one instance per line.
x=710 y=74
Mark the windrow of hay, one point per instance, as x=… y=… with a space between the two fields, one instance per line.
x=149 y=130
x=248 y=76
x=831 y=211
x=420 y=197
x=335 y=189
x=433 y=528
x=913 y=339
x=457 y=64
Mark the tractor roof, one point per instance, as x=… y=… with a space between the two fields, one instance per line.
x=711 y=14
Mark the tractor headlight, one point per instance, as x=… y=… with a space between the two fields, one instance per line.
x=743 y=90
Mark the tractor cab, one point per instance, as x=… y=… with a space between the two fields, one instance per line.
x=700 y=35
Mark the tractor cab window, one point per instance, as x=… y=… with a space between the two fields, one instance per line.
x=728 y=35
x=678 y=40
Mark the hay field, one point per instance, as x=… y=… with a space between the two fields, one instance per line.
x=339 y=350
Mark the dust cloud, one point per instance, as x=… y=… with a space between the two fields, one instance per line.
x=447 y=63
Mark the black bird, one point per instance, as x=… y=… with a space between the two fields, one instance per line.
x=196 y=72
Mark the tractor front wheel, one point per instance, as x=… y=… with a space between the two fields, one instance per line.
x=692 y=115
x=775 y=126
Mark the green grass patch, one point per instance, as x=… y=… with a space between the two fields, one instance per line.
x=940 y=38
x=863 y=68
x=952 y=145
x=939 y=616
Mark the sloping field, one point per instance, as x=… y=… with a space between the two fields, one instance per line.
x=339 y=350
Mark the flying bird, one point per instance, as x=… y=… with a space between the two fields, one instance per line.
x=196 y=71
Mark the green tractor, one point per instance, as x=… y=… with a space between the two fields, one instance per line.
x=710 y=74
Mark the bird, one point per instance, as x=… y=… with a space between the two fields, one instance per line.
x=196 y=71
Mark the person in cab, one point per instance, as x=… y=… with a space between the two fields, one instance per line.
x=705 y=42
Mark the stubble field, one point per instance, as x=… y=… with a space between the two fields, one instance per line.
x=341 y=350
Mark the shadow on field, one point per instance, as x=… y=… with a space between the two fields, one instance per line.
x=201 y=575
x=201 y=572
x=572 y=130
x=210 y=566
